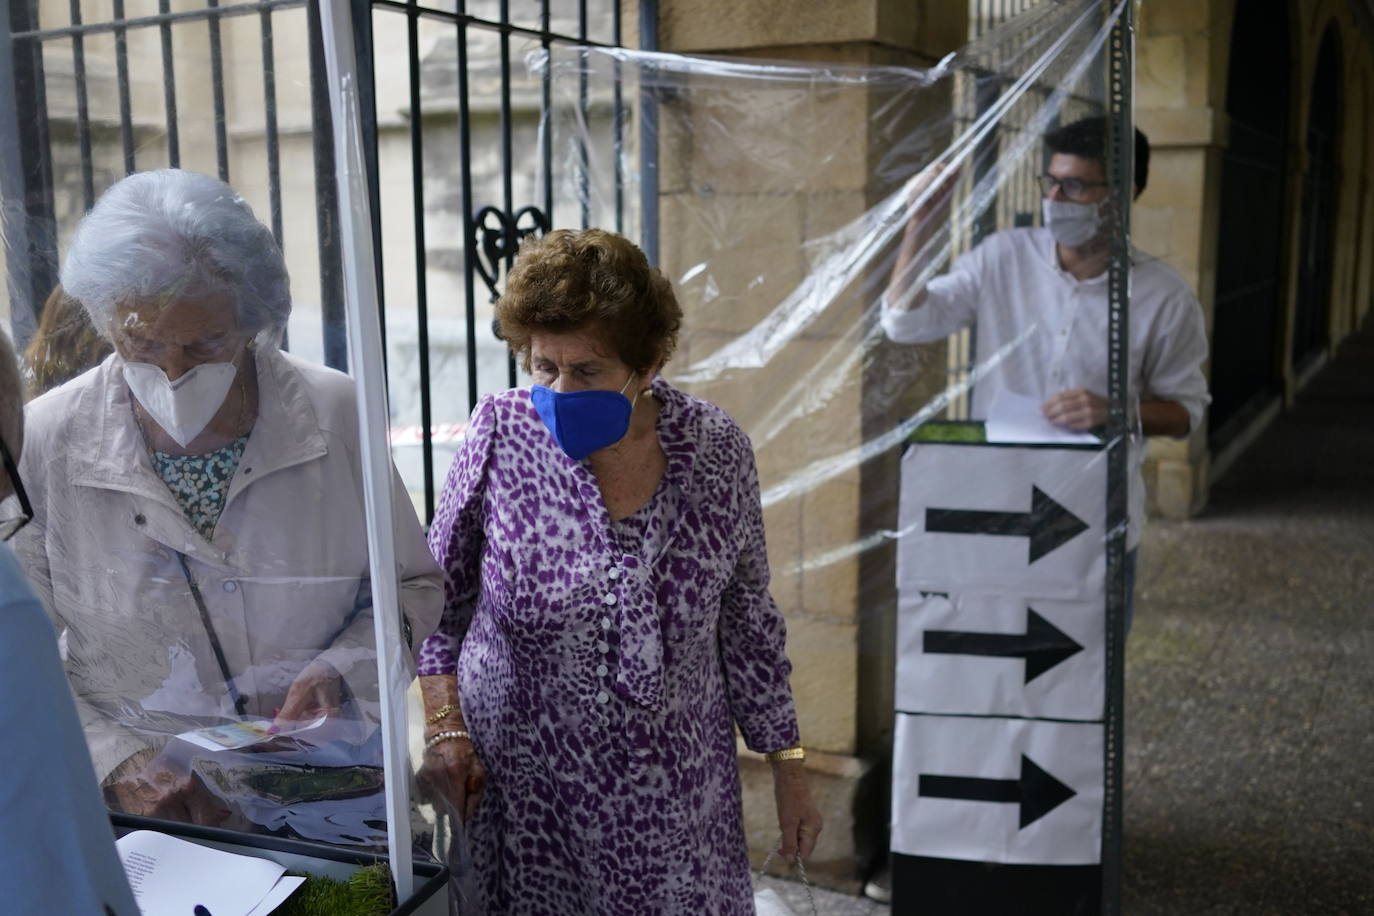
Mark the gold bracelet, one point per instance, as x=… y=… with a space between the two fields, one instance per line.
x=441 y=737
x=787 y=753
x=446 y=709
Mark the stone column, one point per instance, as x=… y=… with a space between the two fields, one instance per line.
x=1180 y=105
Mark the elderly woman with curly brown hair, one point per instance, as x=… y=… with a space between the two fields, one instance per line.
x=607 y=620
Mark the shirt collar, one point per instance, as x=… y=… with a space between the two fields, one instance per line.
x=286 y=431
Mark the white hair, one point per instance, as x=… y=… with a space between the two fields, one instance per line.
x=171 y=233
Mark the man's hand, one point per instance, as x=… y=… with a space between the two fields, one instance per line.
x=1078 y=409
x=937 y=173
x=929 y=216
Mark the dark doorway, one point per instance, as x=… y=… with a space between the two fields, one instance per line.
x=1311 y=323
x=1246 y=332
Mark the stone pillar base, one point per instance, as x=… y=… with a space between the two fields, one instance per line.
x=1176 y=479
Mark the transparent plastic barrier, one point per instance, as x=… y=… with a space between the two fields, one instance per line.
x=201 y=529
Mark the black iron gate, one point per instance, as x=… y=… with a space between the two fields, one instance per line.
x=163 y=84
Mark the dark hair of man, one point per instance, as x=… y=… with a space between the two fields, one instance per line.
x=1087 y=139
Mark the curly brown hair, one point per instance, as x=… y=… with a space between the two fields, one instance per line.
x=571 y=280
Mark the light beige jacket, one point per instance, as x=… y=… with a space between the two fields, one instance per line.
x=284 y=576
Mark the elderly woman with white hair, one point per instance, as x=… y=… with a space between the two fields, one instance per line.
x=198 y=527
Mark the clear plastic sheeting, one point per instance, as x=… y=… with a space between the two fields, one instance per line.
x=201 y=532
x=200 y=535
x=786 y=192
x=899 y=282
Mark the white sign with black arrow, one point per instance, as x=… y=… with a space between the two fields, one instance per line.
x=992 y=655
x=997 y=790
x=1002 y=520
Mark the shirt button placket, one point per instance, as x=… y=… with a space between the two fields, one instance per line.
x=603 y=646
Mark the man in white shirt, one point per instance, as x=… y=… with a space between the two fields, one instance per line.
x=1038 y=298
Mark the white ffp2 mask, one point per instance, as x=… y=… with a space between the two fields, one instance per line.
x=185 y=407
x=1071 y=224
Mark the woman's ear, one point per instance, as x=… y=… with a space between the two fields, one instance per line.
x=651 y=372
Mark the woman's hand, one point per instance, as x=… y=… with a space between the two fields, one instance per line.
x=452 y=772
x=315 y=692
x=152 y=787
x=798 y=818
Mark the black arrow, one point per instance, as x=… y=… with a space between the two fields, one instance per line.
x=1047 y=524
x=1043 y=645
x=1037 y=792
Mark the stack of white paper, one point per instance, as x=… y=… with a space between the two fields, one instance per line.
x=170 y=877
x=1015 y=417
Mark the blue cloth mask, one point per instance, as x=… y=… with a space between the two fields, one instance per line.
x=581 y=422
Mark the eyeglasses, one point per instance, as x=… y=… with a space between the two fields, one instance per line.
x=10 y=526
x=1073 y=188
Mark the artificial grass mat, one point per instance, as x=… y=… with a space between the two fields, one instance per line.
x=367 y=892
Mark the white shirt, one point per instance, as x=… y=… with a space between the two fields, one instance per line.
x=58 y=853
x=1012 y=285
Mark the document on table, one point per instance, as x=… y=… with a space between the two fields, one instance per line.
x=170 y=876
x=1015 y=417
x=244 y=733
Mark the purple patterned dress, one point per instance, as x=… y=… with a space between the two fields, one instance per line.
x=604 y=665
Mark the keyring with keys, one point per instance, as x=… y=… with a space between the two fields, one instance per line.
x=801 y=870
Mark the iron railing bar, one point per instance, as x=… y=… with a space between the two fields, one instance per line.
x=27 y=221
x=367 y=104
x=217 y=93
x=617 y=125
x=83 y=114
x=269 y=104
x=507 y=28
x=158 y=19
x=507 y=155
x=648 y=135
x=469 y=227
x=335 y=329
x=169 y=88
x=126 y=117
x=546 y=112
x=583 y=153
x=417 y=179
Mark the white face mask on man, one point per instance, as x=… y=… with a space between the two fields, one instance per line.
x=185 y=407
x=1071 y=224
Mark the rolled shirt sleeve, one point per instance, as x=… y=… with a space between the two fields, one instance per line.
x=950 y=304
x=1172 y=368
